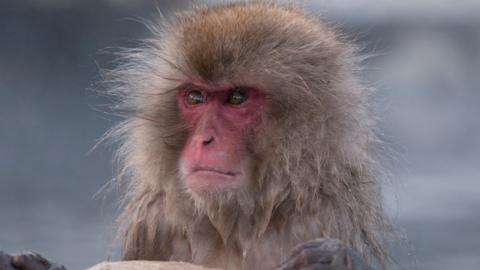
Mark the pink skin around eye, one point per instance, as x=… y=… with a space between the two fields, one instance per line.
x=214 y=157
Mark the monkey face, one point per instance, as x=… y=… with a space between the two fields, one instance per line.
x=215 y=155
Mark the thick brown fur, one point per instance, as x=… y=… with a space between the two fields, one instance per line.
x=314 y=151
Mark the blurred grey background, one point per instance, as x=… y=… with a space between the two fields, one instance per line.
x=427 y=71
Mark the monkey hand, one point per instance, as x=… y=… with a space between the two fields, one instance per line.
x=323 y=254
x=26 y=261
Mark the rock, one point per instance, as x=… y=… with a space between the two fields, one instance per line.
x=147 y=265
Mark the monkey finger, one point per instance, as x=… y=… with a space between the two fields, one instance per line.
x=308 y=256
x=357 y=261
x=319 y=266
x=300 y=248
x=30 y=261
x=322 y=251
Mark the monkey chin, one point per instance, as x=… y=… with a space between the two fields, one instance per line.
x=201 y=181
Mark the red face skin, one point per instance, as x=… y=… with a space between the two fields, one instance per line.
x=214 y=157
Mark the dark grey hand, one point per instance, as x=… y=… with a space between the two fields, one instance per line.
x=323 y=254
x=26 y=261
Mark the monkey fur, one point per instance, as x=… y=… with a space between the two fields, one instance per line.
x=315 y=166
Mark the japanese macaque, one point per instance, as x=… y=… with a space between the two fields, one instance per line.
x=247 y=134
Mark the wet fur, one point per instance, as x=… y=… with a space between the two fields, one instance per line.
x=313 y=154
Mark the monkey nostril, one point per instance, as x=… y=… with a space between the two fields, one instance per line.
x=208 y=141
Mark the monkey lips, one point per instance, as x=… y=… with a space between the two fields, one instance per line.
x=202 y=179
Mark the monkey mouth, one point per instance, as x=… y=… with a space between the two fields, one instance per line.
x=212 y=170
x=208 y=179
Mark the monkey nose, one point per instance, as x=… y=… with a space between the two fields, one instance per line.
x=208 y=141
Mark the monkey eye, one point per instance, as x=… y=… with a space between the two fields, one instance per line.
x=194 y=97
x=238 y=96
